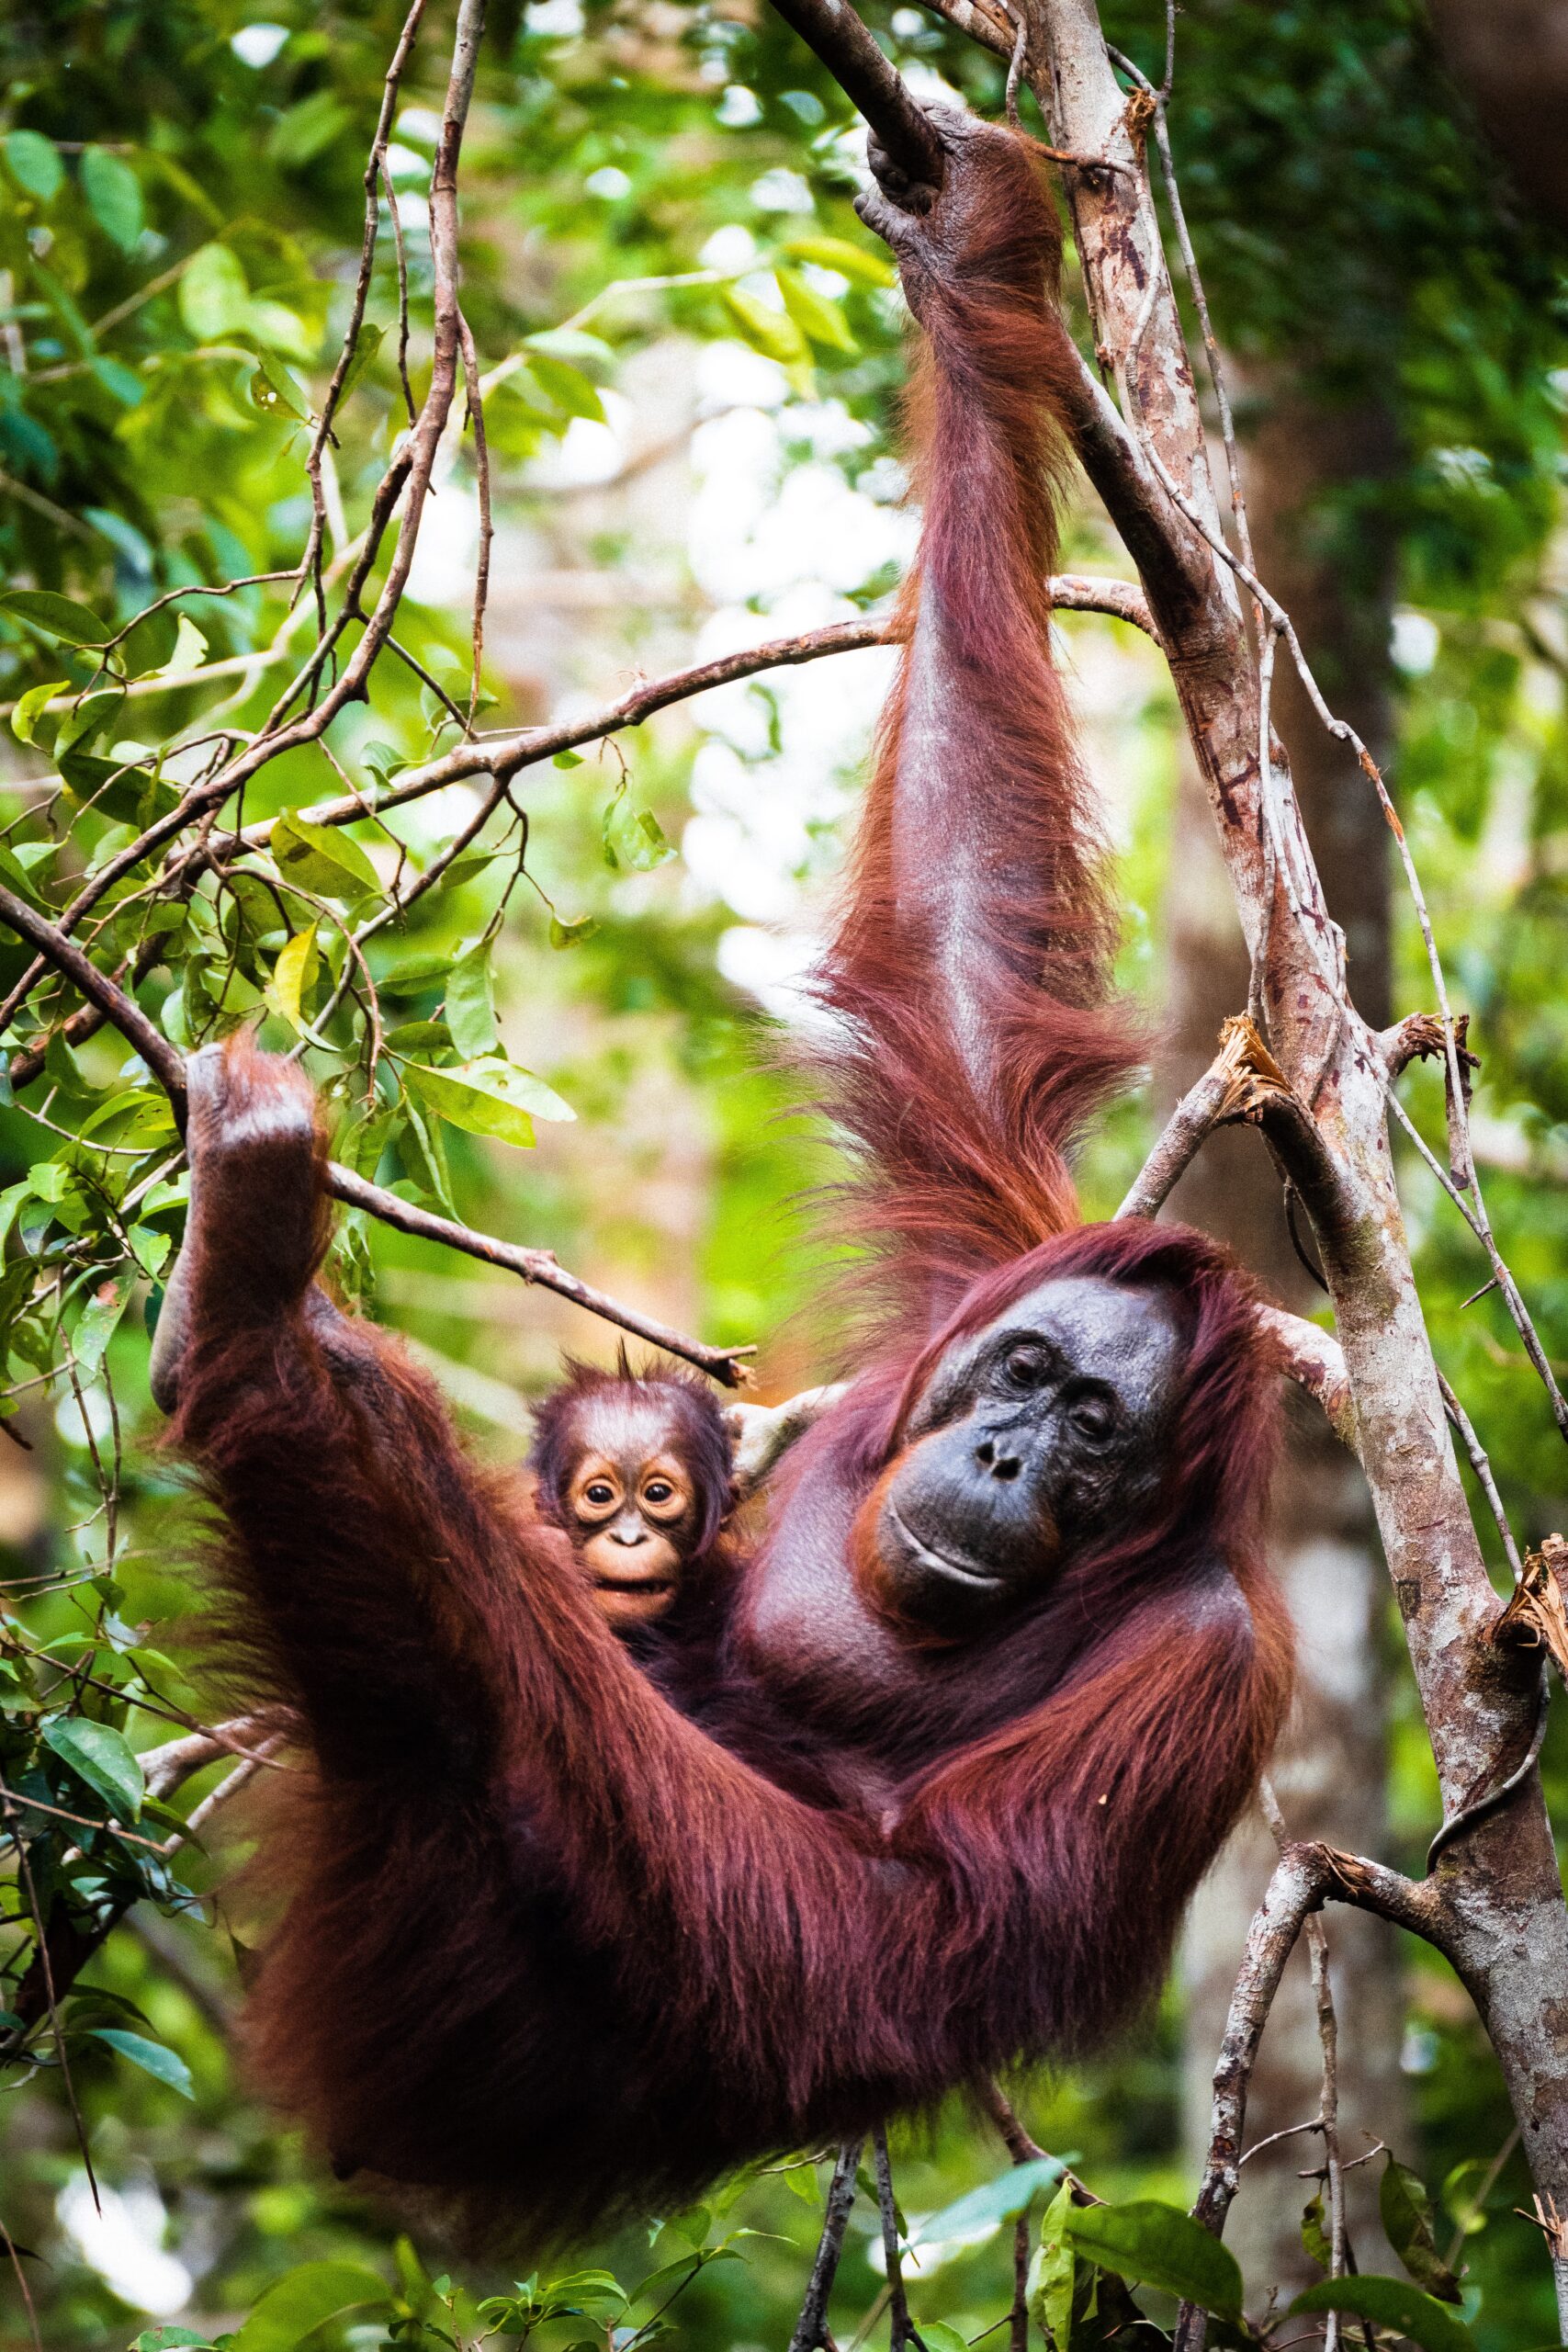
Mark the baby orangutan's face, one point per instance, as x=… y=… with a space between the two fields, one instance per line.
x=632 y=1514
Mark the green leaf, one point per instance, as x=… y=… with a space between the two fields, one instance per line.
x=634 y=839
x=307 y=129
x=1002 y=2200
x=322 y=859
x=1053 y=2274
x=858 y=262
x=11 y=1200
x=470 y=1002
x=819 y=321
x=215 y=301
x=771 y=333
x=117 y=788
x=1158 y=2245
x=55 y=615
x=284 y=330
x=1408 y=2217
x=34 y=163
x=573 y=933
x=424 y=1157
x=304 y=2299
x=170 y=2339
x=567 y=759
x=121 y=383
x=567 y=386
x=384 y=761
x=48 y=1180
x=585 y=2294
x=412 y=973
x=189 y=650
x=668 y=2274
x=937 y=2334
x=86 y=718
x=1315 y=2233
x=150 y=1248
x=163 y=2065
x=490 y=1098
x=30 y=708
x=98 y=1755
x=463 y=869
x=114 y=196
x=1390 y=2303
x=293 y=976
x=274 y=391
x=96 y=1325
x=411 y=1038
x=574 y=344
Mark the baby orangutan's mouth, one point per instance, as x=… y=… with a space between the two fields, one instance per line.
x=633 y=1599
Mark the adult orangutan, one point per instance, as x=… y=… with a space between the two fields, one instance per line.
x=1006 y=1665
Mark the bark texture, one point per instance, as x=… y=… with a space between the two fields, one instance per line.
x=1308 y=470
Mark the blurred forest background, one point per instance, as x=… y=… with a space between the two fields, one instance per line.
x=691 y=357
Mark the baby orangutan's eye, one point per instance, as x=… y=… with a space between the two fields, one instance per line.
x=598 y=1492
x=658 y=1490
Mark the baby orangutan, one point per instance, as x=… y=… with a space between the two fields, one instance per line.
x=635 y=1471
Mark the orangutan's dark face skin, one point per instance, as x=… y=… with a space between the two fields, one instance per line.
x=1034 y=1435
x=632 y=1510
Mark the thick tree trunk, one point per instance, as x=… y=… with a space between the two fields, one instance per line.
x=1302 y=461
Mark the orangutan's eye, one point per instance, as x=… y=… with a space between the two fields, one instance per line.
x=1094 y=1415
x=597 y=1492
x=658 y=1490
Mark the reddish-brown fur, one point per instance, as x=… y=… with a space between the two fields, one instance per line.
x=557 y=1945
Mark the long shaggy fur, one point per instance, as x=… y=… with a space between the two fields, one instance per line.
x=559 y=1941
x=955 y=1178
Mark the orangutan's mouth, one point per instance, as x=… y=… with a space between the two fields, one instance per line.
x=964 y=1571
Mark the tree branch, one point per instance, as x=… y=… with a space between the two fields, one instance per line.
x=1315 y=1360
x=846 y=48
x=1242 y=1082
x=811 y=2328
x=1304 y=1878
x=167 y=1066
x=504 y=756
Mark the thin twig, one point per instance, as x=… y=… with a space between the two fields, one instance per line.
x=487 y=528
x=1194 y=279
x=1482 y=1466
x=900 y=2330
x=811 y=2328
x=1477 y=2204
x=1328 y=2038
x=309 y=566
x=45 y=1963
